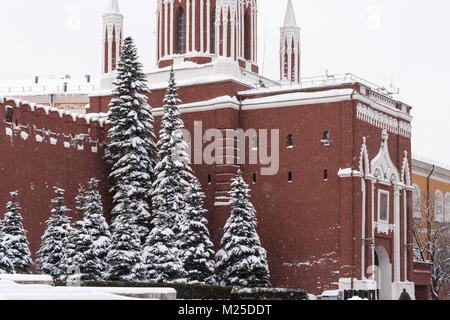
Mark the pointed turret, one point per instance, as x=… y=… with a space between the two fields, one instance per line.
x=113 y=6
x=290 y=47
x=112 y=37
x=289 y=18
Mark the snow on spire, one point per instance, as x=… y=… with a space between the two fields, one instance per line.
x=113 y=6
x=289 y=19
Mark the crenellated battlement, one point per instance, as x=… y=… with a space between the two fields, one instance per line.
x=25 y=121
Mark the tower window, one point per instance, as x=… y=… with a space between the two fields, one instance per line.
x=325 y=175
x=213 y=31
x=181 y=39
x=290 y=176
x=254 y=178
x=247 y=37
x=209 y=179
x=290 y=141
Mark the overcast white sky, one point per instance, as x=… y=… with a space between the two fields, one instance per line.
x=379 y=40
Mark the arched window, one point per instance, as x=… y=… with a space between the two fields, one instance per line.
x=417 y=202
x=325 y=175
x=247 y=37
x=213 y=31
x=447 y=207
x=181 y=32
x=438 y=206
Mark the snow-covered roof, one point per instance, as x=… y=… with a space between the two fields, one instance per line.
x=100 y=117
x=286 y=99
x=47 y=86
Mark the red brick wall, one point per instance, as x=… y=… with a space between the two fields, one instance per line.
x=33 y=168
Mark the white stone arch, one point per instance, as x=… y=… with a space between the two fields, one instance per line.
x=417 y=201
x=383 y=274
x=447 y=207
x=438 y=206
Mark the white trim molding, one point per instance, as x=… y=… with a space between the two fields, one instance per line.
x=383 y=121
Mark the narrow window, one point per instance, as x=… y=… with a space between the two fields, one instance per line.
x=290 y=141
x=9 y=114
x=247 y=37
x=181 y=39
x=325 y=175
x=383 y=206
x=255 y=143
x=213 y=31
x=254 y=178
x=326 y=138
x=209 y=179
x=290 y=176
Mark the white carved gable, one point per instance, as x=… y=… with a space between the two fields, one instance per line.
x=382 y=166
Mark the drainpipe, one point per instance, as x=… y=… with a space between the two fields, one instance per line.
x=353 y=188
x=428 y=195
x=428 y=185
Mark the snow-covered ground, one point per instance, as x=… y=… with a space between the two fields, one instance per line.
x=10 y=290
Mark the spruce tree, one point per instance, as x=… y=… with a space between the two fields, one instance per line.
x=162 y=254
x=51 y=252
x=15 y=237
x=124 y=258
x=198 y=252
x=95 y=222
x=242 y=262
x=6 y=265
x=80 y=255
x=131 y=149
x=80 y=201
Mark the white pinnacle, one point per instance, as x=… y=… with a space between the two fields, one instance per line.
x=289 y=20
x=113 y=6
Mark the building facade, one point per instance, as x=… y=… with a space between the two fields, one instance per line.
x=333 y=191
x=431 y=182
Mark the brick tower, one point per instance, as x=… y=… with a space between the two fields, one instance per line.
x=200 y=31
x=290 y=47
x=112 y=37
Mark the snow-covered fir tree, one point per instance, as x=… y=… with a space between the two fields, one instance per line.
x=131 y=150
x=198 y=252
x=6 y=266
x=95 y=222
x=80 y=201
x=15 y=237
x=124 y=258
x=81 y=259
x=242 y=262
x=51 y=252
x=162 y=254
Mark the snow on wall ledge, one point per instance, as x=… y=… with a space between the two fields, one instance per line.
x=44 y=124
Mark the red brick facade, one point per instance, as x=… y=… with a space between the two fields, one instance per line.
x=311 y=226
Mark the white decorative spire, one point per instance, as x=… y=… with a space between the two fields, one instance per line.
x=113 y=6
x=112 y=37
x=289 y=18
x=290 y=47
